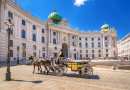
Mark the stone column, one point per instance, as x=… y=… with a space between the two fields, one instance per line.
x=2 y=15
x=77 y=41
x=110 y=41
x=49 y=36
x=58 y=37
x=103 y=46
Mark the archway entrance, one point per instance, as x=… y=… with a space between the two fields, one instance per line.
x=65 y=49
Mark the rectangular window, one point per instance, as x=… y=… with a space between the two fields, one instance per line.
x=86 y=45
x=23 y=22
x=92 y=45
x=34 y=54
x=86 y=51
x=92 y=55
x=43 y=48
x=72 y=37
x=86 y=55
x=43 y=55
x=99 y=51
x=54 y=33
x=11 y=43
x=80 y=55
x=98 y=38
x=24 y=54
x=79 y=38
x=34 y=47
x=34 y=27
x=10 y=15
x=11 y=53
x=42 y=30
x=24 y=45
x=73 y=43
x=80 y=51
x=105 y=38
x=92 y=51
x=106 y=50
x=106 y=55
x=99 y=55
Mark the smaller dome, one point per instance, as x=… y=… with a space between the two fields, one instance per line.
x=55 y=17
x=105 y=26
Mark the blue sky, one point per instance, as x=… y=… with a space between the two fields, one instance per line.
x=85 y=14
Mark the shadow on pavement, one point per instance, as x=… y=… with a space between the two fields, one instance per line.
x=71 y=75
x=27 y=81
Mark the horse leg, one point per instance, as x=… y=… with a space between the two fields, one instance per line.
x=38 y=67
x=41 y=69
x=34 y=68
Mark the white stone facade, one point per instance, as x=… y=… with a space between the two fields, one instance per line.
x=64 y=34
x=124 y=46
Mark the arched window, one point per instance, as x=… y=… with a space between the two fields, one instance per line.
x=86 y=45
x=34 y=37
x=23 y=34
x=42 y=39
x=92 y=39
x=42 y=30
x=80 y=45
x=54 y=41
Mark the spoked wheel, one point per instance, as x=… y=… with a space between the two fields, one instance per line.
x=59 y=71
x=87 y=71
x=65 y=69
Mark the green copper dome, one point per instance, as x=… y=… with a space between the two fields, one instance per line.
x=55 y=17
x=105 y=26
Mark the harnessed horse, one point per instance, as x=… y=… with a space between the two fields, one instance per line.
x=38 y=62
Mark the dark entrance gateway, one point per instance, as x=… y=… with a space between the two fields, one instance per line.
x=65 y=49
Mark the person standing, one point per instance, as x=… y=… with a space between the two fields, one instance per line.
x=60 y=55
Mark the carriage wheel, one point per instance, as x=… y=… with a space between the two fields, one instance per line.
x=65 y=69
x=59 y=71
x=87 y=71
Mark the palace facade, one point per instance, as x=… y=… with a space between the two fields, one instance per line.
x=124 y=46
x=46 y=39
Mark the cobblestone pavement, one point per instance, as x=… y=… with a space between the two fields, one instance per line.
x=23 y=79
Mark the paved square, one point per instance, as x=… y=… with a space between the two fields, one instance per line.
x=23 y=79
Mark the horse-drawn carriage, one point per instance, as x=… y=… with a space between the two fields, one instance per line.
x=61 y=67
x=83 y=68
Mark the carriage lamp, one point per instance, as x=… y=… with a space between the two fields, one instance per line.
x=18 y=54
x=8 y=73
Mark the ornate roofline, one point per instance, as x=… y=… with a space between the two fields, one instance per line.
x=10 y=2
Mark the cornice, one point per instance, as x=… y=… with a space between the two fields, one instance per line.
x=19 y=9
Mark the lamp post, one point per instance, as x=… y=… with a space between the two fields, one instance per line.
x=18 y=54
x=8 y=73
x=39 y=53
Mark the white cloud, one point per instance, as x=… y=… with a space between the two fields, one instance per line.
x=79 y=2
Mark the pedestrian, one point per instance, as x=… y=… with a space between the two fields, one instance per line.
x=60 y=56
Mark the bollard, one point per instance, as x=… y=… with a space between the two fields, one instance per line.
x=113 y=67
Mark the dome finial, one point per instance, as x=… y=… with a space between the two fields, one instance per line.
x=54 y=10
x=104 y=22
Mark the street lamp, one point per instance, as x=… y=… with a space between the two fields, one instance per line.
x=8 y=73
x=18 y=54
x=39 y=53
